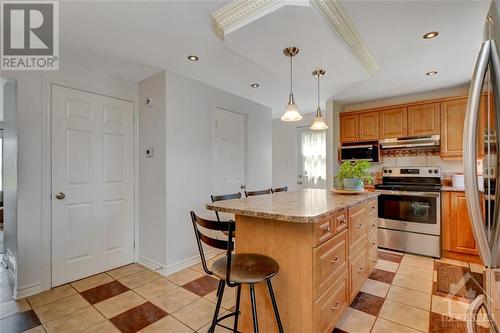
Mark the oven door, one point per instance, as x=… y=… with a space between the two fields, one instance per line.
x=410 y=211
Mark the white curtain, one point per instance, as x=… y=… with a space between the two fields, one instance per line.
x=314 y=158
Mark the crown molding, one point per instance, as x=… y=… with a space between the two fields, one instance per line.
x=340 y=23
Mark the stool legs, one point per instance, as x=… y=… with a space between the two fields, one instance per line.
x=237 y=311
x=275 y=305
x=254 y=309
x=220 y=294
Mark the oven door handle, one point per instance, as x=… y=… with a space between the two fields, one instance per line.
x=410 y=193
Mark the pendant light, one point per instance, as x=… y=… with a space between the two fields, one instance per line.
x=291 y=112
x=318 y=123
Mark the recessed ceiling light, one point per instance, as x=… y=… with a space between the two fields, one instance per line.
x=431 y=73
x=254 y=85
x=193 y=58
x=430 y=35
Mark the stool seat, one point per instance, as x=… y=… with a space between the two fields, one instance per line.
x=246 y=268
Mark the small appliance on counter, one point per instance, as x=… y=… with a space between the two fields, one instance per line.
x=457 y=181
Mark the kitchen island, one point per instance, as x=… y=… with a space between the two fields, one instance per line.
x=325 y=244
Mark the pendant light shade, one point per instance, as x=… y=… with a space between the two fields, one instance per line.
x=319 y=123
x=291 y=110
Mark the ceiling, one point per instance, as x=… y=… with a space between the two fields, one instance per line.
x=134 y=40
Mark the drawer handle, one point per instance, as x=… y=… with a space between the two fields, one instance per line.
x=325 y=229
x=336 y=260
x=360 y=269
x=373 y=207
x=373 y=243
x=336 y=306
x=341 y=220
x=359 y=226
x=374 y=225
x=374 y=261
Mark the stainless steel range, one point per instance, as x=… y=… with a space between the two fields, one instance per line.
x=409 y=210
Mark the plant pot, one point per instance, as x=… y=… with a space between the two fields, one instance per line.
x=338 y=183
x=355 y=184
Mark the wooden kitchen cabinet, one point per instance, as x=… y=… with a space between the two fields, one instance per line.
x=424 y=119
x=394 y=123
x=452 y=128
x=458 y=238
x=349 y=128
x=368 y=126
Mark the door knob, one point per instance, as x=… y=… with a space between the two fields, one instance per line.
x=60 y=195
x=243 y=186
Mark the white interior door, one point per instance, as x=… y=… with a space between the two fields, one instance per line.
x=229 y=151
x=92 y=184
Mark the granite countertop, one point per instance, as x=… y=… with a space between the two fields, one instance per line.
x=304 y=206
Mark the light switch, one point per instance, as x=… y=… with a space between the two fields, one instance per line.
x=149 y=151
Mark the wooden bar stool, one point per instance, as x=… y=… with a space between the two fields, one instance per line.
x=224 y=197
x=234 y=270
x=261 y=192
x=280 y=189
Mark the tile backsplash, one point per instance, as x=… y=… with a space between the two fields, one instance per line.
x=446 y=165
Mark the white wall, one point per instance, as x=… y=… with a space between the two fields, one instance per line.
x=152 y=172
x=33 y=227
x=189 y=119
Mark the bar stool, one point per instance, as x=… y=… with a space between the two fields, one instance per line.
x=223 y=197
x=234 y=270
x=261 y=192
x=280 y=189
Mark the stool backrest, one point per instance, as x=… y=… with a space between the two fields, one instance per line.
x=261 y=192
x=224 y=197
x=280 y=189
x=227 y=245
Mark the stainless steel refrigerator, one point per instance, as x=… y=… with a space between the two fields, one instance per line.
x=481 y=134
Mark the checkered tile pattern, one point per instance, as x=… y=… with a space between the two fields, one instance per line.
x=400 y=296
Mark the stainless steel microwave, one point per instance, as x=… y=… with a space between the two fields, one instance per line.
x=361 y=152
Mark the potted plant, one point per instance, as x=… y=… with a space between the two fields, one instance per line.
x=354 y=175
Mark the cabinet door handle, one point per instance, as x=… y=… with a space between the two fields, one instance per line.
x=325 y=229
x=360 y=269
x=336 y=306
x=336 y=260
x=374 y=225
x=359 y=226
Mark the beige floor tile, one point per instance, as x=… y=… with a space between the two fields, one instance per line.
x=410 y=297
x=416 y=272
x=185 y=276
x=102 y=327
x=387 y=265
x=356 y=321
x=60 y=308
x=376 y=288
x=197 y=314
x=409 y=282
x=453 y=262
x=138 y=279
x=75 y=322
x=13 y=306
x=405 y=315
x=449 y=307
x=477 y=268
x=118 y=304
x=155 y=288
x=120 y=272
x=167 y=325
x=385 y=326
x=418 y=261
x=229 y=299
x=91 y=282
x=229 y=322
x=38 y=329
x=51 y=295
x=199 y=268
x=175 y=300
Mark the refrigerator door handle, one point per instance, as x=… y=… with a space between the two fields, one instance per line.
x=469 y=156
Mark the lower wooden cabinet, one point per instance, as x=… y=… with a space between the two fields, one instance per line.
x=358 y=271
x=329 y=307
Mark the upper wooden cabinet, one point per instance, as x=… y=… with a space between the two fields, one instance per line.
x=452 y=127
x=393 y=123
x=369 y=126
x=349 y=128
x=424 y=119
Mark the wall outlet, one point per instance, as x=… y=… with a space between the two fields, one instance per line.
x=149 y=151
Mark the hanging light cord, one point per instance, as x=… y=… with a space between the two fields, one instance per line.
x=291 y=75
x=318 y=91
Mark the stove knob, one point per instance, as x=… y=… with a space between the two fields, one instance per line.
x=436 y=171
x=390 y=171
x=385 y=171
x=430 y=171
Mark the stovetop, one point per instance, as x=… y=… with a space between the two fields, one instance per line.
x=411 y=179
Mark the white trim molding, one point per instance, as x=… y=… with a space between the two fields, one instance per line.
x=28 y=290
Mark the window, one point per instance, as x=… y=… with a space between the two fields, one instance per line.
x=312 y=158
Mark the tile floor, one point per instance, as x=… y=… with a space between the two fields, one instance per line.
x=399 y=296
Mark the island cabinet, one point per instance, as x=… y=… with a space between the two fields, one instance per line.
x=325 y=255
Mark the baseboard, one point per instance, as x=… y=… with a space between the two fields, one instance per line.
x=28 y=290
x=178 y=266
x=461 y=256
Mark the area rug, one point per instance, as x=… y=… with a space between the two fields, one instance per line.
x=458 y=281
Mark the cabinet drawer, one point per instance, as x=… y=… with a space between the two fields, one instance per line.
x=340 y=220
x=358 y=219
x=372 y=240
x=372 y=208
x=329 y=307
x=329 y=262
x=358 y=267
x=323 y=230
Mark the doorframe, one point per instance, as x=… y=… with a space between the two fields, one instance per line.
x=245 y=118
x=46 y=154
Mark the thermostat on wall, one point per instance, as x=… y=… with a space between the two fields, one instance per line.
x=149 y=151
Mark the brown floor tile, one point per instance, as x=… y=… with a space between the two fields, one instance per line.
x=390 y=256
x=382 y=276
x=137 y=318
x=19 y=322
x=91 y=282
x=202 y=286
x=367 y=303
x=103 y=292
